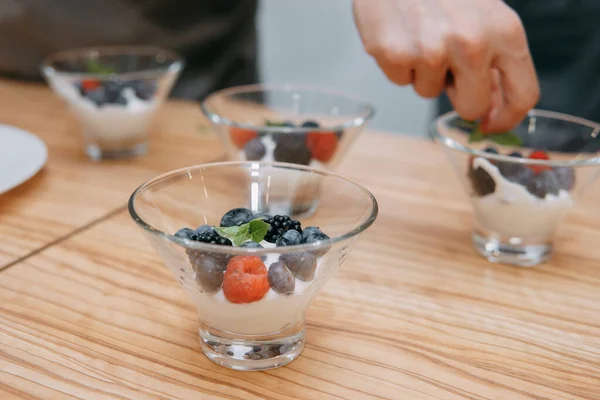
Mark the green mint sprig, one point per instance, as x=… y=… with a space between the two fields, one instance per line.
x=95 y=67
x=275 y=124
x=507 y=138
x=254 y=230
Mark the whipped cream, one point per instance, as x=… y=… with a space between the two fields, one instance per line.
x=514 y=212
x=273 y=313
x=110 y=122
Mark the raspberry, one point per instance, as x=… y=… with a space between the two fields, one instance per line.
x=322 y=145
x=90 y=84
x=245 y=280
x=240 y=136
x=539 y=155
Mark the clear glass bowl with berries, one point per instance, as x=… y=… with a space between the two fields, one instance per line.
x=522 y=182
x=299 y=124
x=114 y=93
x=250 y=268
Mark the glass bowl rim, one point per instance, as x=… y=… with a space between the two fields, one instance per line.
x=190 y=244
x=215 y=118
x=450 y=143
x=176 y=63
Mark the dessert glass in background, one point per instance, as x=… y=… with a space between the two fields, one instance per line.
x=114 y=93
x=299 y=124
x=521 y=183
x=266 y=331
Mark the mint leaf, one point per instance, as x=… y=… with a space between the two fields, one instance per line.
x=229 y=232
x=258 y=230
x=242 y=235
x=254 y=230
x=506 y=139
x=463 y=123
x=275 y=124
x=476 y=136
x=96 y=67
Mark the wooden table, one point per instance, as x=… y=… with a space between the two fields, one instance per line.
x=88 y=311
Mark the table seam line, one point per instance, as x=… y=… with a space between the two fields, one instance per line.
x=65 y=237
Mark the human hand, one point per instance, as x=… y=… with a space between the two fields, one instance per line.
x=476 y=50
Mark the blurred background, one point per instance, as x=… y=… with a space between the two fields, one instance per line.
x=330 y=53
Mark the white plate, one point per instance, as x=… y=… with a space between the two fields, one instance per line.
x=22 y=155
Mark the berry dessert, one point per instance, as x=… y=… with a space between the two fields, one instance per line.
x=312 y=148
x=520 y=200
x=248 y=293
x=112 y=111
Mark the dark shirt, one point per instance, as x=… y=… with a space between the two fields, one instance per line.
x=217 y=38
x=564 y=39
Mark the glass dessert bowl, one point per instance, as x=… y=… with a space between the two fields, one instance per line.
x=251 y=270
x=113 y=92
x=300 y=124
x=521 y=183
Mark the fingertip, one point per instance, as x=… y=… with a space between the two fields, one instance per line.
x=503 y=120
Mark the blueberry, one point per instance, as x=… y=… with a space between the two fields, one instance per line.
x=209 y=272
x=292 y=148
x=308 y=231
x=517 y=173
x=98 y=96
x=565 y=177
x=253 y=245
x=186 y=233
x=144 y=90
x=289 y=238
x=255 y=150
x=281 y=279
x=490 y=150
x=301 y=265
x=263 y=215
x=516 y=154
x=315 y=235
x=310 y=124
x=482 y=182
x=204 y=228
x=237 y=217
x=113 y=92
x=121 y=100
x=287 y=124
x=543 y=184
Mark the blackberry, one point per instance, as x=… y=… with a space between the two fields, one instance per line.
x=212 y=237
x=482 y=182
x=280 y=224
x=292 y=148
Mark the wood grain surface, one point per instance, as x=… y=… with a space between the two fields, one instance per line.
x=71 y=190
x=414 y=313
